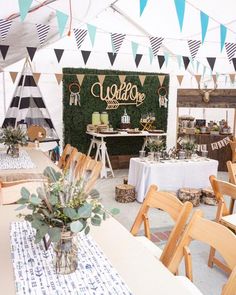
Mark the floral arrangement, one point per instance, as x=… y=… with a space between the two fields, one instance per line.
x=62 y=206
x=155 y=145
x=188 y=143
x=11 y=136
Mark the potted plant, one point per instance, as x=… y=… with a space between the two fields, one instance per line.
x=188 y=145
x=155 y=147
x=60 y=211
x=12 y=138
x=215 y=129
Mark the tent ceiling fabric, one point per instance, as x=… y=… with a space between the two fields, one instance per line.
x=158 y=19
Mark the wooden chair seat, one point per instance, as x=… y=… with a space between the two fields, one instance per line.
x=155 y=250
x=229 y=221
x=188 y=285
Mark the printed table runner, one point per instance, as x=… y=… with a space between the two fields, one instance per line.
x=34 y=271
x=22 y=162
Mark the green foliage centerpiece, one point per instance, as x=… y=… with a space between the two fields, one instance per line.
x=60 y=211
x=13 y=137
x=188 y=145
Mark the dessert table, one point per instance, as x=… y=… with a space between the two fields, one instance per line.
x=139 y=269
x=170 y=175
x=98 y=142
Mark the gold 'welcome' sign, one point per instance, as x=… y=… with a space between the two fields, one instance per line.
x=114 y=95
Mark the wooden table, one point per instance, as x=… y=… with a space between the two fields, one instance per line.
x=143 y=273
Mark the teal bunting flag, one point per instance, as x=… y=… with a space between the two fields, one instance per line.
x=134 y=48
x=204 y=24
x=226 y=80
x=180 y=9
x=150 y=55
x=204 y=71
x=92 y=30
x=223 y=32
x=61 y=21
x=192 y=63
x=24 y=6
x=179 y=60
x=142 y=4
x=166 y=55
x=198 y=64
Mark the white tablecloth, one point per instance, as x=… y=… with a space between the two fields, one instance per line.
x=170 y=176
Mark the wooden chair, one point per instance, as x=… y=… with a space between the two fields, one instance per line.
x=71 y=158
x=65 y=156
x=224 y=214
x=218 y=237
x=233 y=149
x=95 y=168
x=232 y=178
x=10 y=189
x=178 y=211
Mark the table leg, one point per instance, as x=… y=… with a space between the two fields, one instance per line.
x=144 y=143
x=90 y=147
x=103 y=159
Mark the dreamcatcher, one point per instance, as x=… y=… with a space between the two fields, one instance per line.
x=74 y=94
x=162 y=92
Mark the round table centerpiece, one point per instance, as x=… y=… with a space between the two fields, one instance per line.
x=60 y=211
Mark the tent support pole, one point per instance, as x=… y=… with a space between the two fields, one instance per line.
x=4 y=93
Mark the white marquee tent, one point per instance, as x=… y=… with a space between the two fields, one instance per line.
x=103 y=17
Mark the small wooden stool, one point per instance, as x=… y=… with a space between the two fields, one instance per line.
x=208 y=197
x=191 y=195
x=125 y=193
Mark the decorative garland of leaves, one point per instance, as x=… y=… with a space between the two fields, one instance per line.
x=76 y=118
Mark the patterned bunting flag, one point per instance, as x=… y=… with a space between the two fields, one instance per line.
x=194 y=46
x=58 y=53
x=161 y=60
x=211 y=61
x=80 y=78
x=112 y=57
x=13 y=76
x=116 y=41
x=80 y=35
x=4 y=28
x=137 y=59
x=230 y=50
x=42 y=32
x=186 y=61
x=156 y=43
x=4 y=50
x=31 y=52
x=85 y=55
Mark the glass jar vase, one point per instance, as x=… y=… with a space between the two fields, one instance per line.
x=13 y=150
x=66 y=250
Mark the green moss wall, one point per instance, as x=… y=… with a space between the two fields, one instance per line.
x=76 y=118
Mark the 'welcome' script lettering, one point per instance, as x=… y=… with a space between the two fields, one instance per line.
x=114 y=95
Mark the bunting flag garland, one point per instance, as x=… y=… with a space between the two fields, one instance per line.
x=198 y=78
x=198 y=64
x=161 y=60
x=137 y=59
x=58 y=53
x=194 y=46
x=24 y=6
x=232 y=78
x=180 y=79
x=142 y=79
x=112 y=57
x=4 y=28
x=61 y=21
x=92 y=30
x=186 y=61
x=13 y=76
x=116 y=41
x=31 y=52
x=80 y=35
x=180 y=9
x=4 y=50
x=223 y=32
x=42 y=32
x=80 y=78
x=85 y=55
x=150 y=55
x=122 y=78
x=142 y=4
x=101 y=78
x=214 y=78
x=134 y=46
x=36 y=77
x=230 y=50
x=179 y=60
x=161 y=79
x=156 y=43
x=59 y=78
x=211 y=62
x=166 y=55
x=204 y=24
x=234 y=63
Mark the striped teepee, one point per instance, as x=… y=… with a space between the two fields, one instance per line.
x=27 y=105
